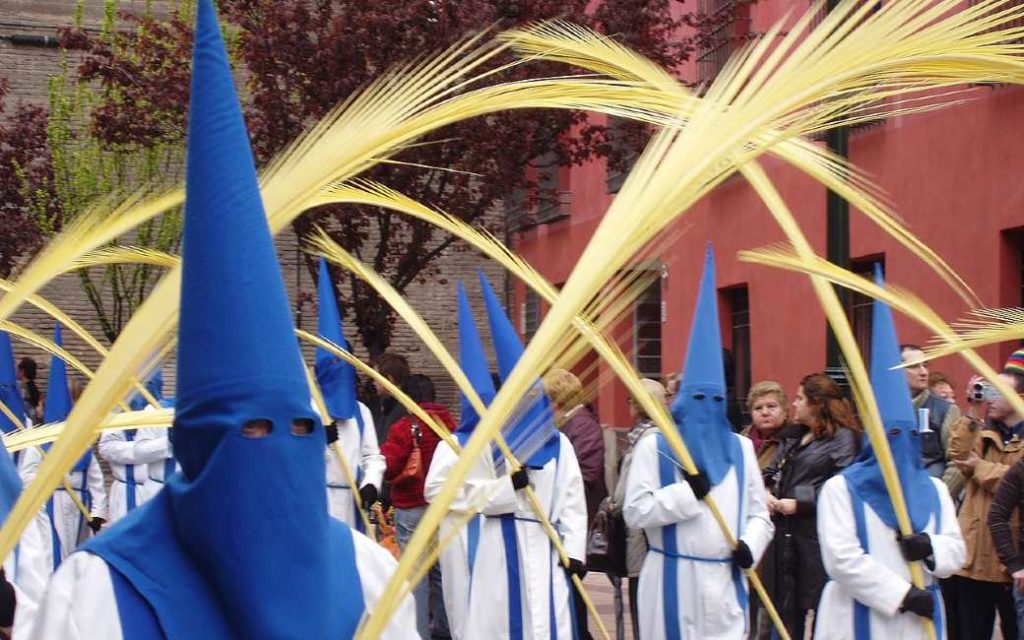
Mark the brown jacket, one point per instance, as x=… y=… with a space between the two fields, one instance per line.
x=996 y=459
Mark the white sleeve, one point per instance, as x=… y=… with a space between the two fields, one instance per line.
x=117 y=449
x=648 y=504
x=758 y=530
x=493 y=495
x=376 y=566
x=866 y=579
x=948 y=544
x=372 y=461
x=79 y=603
x=28 y=465
x=97 y=489
x=571 y=519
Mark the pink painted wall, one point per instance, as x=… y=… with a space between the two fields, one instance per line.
x=955 y=176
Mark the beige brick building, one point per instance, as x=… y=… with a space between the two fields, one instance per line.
x=28 y=57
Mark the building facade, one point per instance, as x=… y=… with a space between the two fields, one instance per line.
x=951 y=174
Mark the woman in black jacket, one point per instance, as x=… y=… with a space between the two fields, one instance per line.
x=827 y=443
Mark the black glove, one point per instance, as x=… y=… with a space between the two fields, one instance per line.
x=741 y=555
x=368 y=495
x=917 y=546
x=520 y=479
x=331 y=431
x=576 y=568
x=8 y=601
x=95 y=524
x=920 y=602
x=699 y=483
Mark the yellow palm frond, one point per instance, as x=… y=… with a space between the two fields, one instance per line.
x=105 y=221
x=896 y=297
x=579 y=46
x=125 y=254
x=396 y=110
x=46 y=433
x=981 y=328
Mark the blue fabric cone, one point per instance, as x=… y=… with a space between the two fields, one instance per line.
x=337 y=378
x=57 y=404
x=532 y=435
x=900 y=422
x=699 y=409
x=242 y=534
x=474 y=364
x=10 y=394
x=155 y=386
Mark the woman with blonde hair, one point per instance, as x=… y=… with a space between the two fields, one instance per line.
x=769 y=425
x=583 y=430
x=828 y=443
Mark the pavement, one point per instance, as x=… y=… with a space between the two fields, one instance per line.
x=603 y=594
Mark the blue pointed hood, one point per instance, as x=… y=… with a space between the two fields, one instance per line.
x=10 y=394
x=57 y=404
x=699 y=409
x=900 y=422
x=531 y=434
x=474 y=364
x=244 y=531
x=155 y=386
x=337 y=378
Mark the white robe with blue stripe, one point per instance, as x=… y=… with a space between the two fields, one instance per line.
x=708 y=599
x=129 y=456
x=879 y=579
x=80 y=604
x=455 y=558
x=543 y=588
x=364 y=459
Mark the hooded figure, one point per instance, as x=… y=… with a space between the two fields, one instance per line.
x=870 y=594
x=481 y=485
x=520 y=590
x=238 y=544
x=532 y=436
x=10 y=395
x=27 y=569
x=152 y=442
x=350 y=423
x=692 y=584
x=68 y=524
x=132 y=452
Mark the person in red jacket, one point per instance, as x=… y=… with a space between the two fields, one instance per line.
x=407 y=493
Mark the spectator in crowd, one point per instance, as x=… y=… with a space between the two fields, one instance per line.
x=941 y=414
x=636 y=541
x=827 y=445
x=671 y=387
x=395 y=368
x=984 y=449
x=1003 y=517
x=941 y=386
x=769 y=425
x=768 y=405
x=30 y=391
x=583 y=430
x=406 y=434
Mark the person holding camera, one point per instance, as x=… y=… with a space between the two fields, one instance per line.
x=984 y=445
